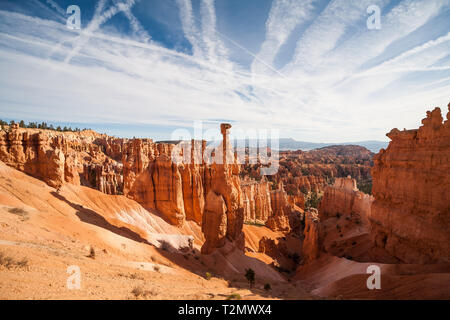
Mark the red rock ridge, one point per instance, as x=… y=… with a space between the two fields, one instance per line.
x=59 y=158
x=411 y=213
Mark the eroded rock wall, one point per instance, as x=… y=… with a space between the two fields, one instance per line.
x=257 y=205
x=59 y=158
x=410 y=216
x=344 y=199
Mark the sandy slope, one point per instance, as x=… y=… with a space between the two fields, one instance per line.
x=53 y=230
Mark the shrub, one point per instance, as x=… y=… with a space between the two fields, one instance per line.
x=365 y=186
x=136 y=276
x=234 y=296
x=138 y=291
x=250 y=276
x=267 y=287
x=6 y=261
x=18 y=211
x=208 y=276
x=165 y=246
x=313 y=200
x=9 y=262
x=22 y=263
x=156 y=268
x=91 y=253
x=254 y=223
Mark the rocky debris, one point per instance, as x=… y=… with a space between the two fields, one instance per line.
x=410 y=216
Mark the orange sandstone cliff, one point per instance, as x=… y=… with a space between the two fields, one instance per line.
x=344 y=198
x=411 y=213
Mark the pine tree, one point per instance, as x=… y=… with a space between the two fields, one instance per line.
x=250 y=275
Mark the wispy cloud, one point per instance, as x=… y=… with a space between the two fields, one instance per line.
x=138 y=30
x=190 y=28
x=335 y=88
x=55 y=6
x=284 y=17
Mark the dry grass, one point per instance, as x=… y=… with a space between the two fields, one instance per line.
x=133 y=276
x=139 y=292
x=10 y=263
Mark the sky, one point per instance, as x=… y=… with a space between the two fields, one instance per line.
x=314 y=70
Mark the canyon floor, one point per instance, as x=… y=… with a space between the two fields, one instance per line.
x=111 y=239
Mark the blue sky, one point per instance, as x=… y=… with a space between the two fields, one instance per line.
x=311 y=69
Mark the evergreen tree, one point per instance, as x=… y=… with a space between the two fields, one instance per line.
x=250 y=276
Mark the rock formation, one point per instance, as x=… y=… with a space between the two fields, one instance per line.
x=281 y=208
x=344 y=199
x=257 y=203
x=312 y=171
x=152 y=174
x=411 y=213
x=57 y=158
x=224 y=209
x=313 y=240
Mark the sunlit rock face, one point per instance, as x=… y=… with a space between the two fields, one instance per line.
x=312 y=245
x=410 y=216
x=257 y=204
x=69 y=157
x=344 y=199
